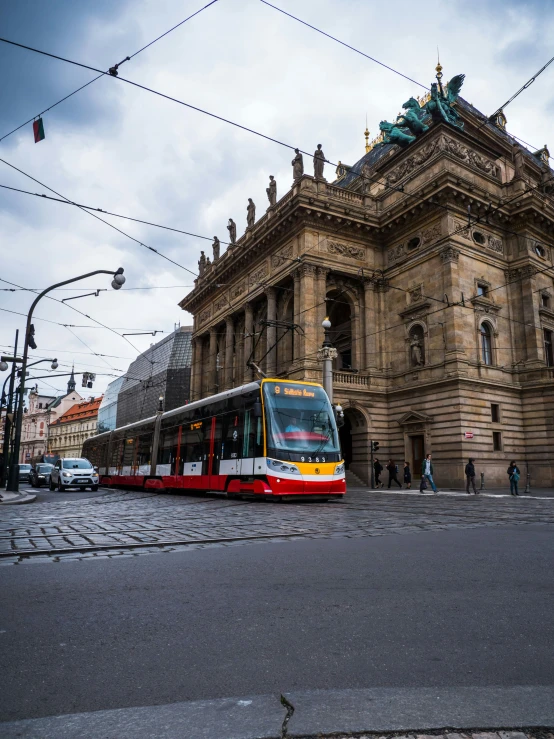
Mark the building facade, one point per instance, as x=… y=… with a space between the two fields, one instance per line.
x=34 y=428
x=107 y=413
x=432 y=258
x=69 y=431
x=161 y=372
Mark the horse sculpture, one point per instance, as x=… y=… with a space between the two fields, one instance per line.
x=412 y=118
x=394 y=135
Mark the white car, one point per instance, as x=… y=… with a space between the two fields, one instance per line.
x=73 y=473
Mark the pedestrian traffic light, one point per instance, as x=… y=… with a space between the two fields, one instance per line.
x=374 y=446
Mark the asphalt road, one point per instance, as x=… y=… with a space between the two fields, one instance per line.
x=458 y=607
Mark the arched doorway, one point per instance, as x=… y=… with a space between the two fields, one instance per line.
x=340 y=315
x=345 y=436
x=354 y=443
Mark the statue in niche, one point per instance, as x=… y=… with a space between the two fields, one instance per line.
x=417 y=357
x=232 y=228
x=250 y=213
x=216 y=246
x=319 y=162
x=201 y=264
x=271 y=190
x=297 y=165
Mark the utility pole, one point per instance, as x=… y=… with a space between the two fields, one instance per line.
x=8 y=424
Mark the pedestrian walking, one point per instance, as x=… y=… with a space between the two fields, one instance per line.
x=470 y=476
x=407 y=475
x=393 y=474
x=513 y=475
x=427 y=474
x=378 y=468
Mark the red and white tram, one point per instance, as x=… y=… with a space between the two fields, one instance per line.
x=271 y=438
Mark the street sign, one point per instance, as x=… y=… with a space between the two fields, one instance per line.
x=469 y=434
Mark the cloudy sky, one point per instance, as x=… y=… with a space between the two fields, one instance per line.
x=119 y=148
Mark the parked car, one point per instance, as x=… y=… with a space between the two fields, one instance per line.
x=73 y=473
x=40 y=475
x=24 y=471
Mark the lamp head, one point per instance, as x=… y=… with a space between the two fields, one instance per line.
x=326 y=323
x=118 y=279
x=54 y=364
x=3 y=366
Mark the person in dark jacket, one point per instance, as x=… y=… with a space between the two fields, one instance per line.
x=393 y=472
x=470 y=475
x=407 y=475
x=378 y=468
x=513 y=475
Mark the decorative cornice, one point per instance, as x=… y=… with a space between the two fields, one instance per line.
x=450 y=255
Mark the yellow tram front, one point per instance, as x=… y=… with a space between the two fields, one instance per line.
x=301 y=443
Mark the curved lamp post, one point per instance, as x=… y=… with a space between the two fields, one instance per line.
x=117 y=282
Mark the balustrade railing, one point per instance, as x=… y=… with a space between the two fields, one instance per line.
x=351 y=378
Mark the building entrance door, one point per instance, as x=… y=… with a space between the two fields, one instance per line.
x=345 y=436
x=418 y=448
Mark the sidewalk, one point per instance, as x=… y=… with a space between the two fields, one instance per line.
x=535 y=494
x=7 y=498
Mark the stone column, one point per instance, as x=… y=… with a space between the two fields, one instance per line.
x=248 y=339
x=297 y=338
x=357 y=334
x=271 y=359
x=370 y=327
x=212 y=362
x=229 y=336
x=321 y=294
x=311 y=339
x=455 y=318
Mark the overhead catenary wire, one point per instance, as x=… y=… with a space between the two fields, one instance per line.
x=90 y=213
x=102 y=74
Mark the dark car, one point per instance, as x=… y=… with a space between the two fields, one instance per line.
x=40 y=475
x=24 y=472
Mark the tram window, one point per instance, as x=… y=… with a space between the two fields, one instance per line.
x=116 y=455
x=252 y=445
x=143 y=449
x=192 y=443
x=167 y=451
x=232 y=436
x=129 y=451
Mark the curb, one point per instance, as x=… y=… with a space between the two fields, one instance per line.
x=16 y=498
x=317 y=713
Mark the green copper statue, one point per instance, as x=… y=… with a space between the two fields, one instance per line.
x=412 y=118
x=393 y=134
x=441 y=105
x=414 y=122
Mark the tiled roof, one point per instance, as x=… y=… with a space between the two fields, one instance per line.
x=81 y=411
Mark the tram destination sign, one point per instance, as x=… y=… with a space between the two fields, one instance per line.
x=293 y=391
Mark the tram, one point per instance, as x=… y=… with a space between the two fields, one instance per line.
x=268 y=439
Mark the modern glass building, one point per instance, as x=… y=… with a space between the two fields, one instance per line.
x=162 y=370
x=107 y=413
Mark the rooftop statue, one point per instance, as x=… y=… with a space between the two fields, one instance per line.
x=412 y=118
x=393 y=134
x=440 y=107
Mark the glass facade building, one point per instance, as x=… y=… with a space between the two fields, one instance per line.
x=162 y=370
x=107 y=413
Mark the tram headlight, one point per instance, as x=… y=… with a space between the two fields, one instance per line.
x=277 y=466
x=339 y=469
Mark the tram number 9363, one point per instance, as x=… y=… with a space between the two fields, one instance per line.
x=312 y=459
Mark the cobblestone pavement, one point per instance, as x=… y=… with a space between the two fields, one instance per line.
x=121 y=523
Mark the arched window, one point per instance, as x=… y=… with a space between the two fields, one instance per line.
x=486 y=344
x=417 y=347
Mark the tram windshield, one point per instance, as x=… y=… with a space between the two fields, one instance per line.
x=299 y=418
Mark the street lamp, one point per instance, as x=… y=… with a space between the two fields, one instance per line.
x=117 y=282
x=326 y=355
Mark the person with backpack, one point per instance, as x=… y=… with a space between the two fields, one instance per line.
x=378 y=468
x=470 y=475
x=407 y=475
x=393 y=472
x=513 y=475
x=427 y=474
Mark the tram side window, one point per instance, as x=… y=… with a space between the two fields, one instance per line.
x=128 y=452
x=253 y=443
x=116 y=455
x=167 y=452
x=192 y=443
x=143 y=449
x=233 y=425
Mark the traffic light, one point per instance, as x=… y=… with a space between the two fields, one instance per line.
x=88 y=379
x=374 y=446
x=31 y=337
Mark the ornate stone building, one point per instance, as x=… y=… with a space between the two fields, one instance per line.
x=432 y=258
x=69 y=432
